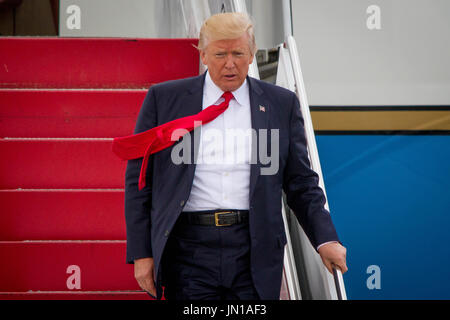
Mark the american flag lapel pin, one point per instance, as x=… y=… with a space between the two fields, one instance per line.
x=262 y=108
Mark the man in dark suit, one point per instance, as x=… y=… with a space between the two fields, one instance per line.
x=208 y=229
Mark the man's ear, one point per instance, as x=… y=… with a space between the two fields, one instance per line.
x=203 y=57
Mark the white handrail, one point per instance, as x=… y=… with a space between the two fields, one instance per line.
x=313 y=153
x=287 y=18
x=290 y=270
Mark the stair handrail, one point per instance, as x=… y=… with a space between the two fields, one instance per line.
x=337 y=279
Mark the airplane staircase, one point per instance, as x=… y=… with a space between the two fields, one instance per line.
x=62 y=100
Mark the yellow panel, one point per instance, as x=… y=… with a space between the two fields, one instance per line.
x=381 y=120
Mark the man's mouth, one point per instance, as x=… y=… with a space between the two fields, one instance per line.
x=230 y=76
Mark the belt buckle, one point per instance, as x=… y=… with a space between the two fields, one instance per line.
x=216 y=218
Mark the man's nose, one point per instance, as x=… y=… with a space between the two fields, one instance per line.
x=229 y=64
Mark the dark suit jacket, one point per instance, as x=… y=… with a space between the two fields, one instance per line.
x=152 y=212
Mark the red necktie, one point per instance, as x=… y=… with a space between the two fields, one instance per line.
x=158 y=138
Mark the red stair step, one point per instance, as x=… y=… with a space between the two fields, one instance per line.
x=59 y=164
x=69 y=113
x=94 y=62
x=62 y=215
x=44 y=266
x=79 y=295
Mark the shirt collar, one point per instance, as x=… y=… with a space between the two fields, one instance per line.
x=213 y=92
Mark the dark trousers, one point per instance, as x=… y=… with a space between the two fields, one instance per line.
x=208 y=263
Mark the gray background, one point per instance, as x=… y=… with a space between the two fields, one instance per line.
x=406 y=62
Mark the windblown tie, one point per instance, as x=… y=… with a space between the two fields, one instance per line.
x=143 y=144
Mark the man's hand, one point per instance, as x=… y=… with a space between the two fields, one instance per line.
x=144 y=274
x=334 y=254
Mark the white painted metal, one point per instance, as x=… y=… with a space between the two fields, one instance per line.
x=287 y=18
x=312 y=148
x=194 y=12
x=285 y=78
x=290 y=269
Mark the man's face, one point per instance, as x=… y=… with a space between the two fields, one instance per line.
x=228 y=62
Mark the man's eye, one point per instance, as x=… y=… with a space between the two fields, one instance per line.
x=220 y=55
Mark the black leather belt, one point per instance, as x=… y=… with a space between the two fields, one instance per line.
x=218 y=218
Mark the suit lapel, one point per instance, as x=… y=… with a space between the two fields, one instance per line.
x=194 y=99
x=259 y=109
x=193 y=105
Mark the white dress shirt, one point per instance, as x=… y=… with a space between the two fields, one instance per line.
x=222 y=174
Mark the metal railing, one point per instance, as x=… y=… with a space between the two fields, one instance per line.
x=290 y=76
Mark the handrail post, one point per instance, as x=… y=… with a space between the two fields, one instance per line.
x=339 y=284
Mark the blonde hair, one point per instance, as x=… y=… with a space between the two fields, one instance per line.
x=224 y=26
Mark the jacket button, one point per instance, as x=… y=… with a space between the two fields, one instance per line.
x=182 y=203
x=166 y=234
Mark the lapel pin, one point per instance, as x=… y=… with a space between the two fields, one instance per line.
x=262 y=108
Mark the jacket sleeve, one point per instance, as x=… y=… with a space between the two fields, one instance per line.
x=138 y=203
x=300 y=183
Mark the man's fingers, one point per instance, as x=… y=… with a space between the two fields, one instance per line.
x=147 y=285
x=150 y=288
x=341 y=266
x=329 y=266
x=144 y=274
x=334 y=254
